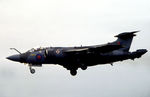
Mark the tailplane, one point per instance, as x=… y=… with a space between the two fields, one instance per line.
x=125 y=39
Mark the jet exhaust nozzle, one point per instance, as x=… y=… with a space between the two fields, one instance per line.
x=138 y=53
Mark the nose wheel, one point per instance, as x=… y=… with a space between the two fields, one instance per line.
x=83 y=66
x=32 y=70
x=73 y=72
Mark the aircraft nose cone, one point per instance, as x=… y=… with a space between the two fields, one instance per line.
x=14 y=57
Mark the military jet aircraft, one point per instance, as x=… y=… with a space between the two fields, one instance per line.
x=82 y=57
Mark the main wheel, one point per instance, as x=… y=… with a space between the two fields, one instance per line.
x=83 y=67
x=32 y=71
x=73 y=72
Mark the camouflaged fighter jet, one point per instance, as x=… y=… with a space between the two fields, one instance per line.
x=82 y=57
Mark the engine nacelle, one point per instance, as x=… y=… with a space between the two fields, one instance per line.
x=54 y=53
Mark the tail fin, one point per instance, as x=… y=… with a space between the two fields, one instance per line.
x=125 y=39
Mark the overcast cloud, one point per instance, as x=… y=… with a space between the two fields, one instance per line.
x=25 y=24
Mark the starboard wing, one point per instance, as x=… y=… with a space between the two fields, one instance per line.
x=99 y=48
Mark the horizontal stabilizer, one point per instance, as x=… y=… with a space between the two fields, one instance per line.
x=126 y=35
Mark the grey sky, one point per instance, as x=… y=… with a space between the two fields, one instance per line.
x=33 y=23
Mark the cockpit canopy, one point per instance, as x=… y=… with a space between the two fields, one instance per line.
x=35 y=49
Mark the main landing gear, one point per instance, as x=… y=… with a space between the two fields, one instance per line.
x=83 y=67
x=73 y=72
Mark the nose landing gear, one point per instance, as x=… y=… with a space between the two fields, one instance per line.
x=32 y=71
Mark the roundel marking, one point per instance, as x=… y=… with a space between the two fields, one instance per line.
x=38 y=56
x=118 y=43
x=57 y=51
